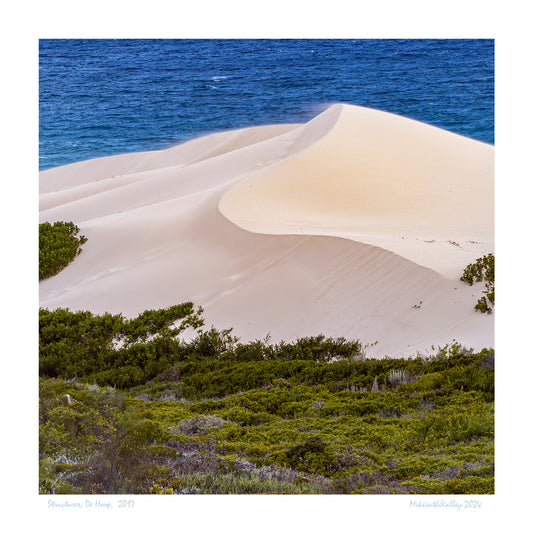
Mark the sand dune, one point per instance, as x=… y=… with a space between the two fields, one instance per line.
x=341 y=226
x=383 y=180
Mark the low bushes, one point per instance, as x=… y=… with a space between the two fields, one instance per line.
x=110 y=349
x=482 y=270
x=98 y=440
x=58 y=246
x=128 y=407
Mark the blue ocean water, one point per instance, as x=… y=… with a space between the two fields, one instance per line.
x=105 y=97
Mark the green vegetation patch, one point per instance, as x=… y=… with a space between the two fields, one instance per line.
x=111 y=349
x=482 y=270
x=58 y=246
x=128 y=407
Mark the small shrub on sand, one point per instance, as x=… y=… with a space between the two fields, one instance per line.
x=482 y=270
x=58 y=246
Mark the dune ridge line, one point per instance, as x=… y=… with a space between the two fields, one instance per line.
x=338 y=226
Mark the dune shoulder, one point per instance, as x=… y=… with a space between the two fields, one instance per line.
x=340 y=226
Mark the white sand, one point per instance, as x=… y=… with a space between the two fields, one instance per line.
x=338 y=226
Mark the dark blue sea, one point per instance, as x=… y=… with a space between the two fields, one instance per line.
x=106 y=97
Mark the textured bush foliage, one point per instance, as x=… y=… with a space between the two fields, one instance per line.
x=216 y=416
x=110 y=349
x=482 y=270
x=58 y=246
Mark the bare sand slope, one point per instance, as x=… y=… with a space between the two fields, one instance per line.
x=374 y=177
x=308 y=236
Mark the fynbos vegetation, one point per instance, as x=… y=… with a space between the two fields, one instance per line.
x=58 y=246
x=482 y=270
x=126 y=406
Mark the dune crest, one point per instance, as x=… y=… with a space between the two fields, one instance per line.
x=373 y=177
x=356 y=224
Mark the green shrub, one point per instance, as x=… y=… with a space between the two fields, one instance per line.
x=482 y=270
x=476 y=422
x=199 y=425
x=319 y=348
x=468 y=485
x=110 y=349
x=253 y=418
x=312 y=455
x=58 y=246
